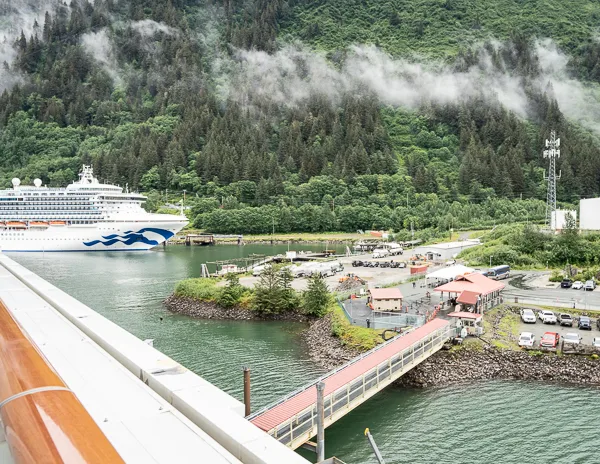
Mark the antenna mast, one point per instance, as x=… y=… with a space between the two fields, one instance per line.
x=551 y=152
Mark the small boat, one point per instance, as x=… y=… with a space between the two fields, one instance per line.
x=228 y=268
x=38 y=224
x=58 y=223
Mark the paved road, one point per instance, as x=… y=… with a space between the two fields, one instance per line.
x=525 y=285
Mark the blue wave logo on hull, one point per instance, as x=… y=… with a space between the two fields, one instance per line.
x=130 y=237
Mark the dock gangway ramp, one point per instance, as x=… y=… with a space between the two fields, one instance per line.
x=293 y=419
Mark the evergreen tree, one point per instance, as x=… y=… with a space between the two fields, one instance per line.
x=316 y=299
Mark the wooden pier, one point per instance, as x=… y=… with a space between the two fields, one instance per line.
x=199 y=239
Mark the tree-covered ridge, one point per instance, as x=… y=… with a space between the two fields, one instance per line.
x=439 y=28
x=136 y=89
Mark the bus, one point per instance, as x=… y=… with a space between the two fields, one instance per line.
x=499 y=272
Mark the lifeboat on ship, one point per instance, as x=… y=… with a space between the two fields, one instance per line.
x=16 y=225
x=38 y=224
x=58 y=223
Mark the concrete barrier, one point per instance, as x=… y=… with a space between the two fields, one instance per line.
x=217 y=413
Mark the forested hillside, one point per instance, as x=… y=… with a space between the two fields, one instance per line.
x=309 y=115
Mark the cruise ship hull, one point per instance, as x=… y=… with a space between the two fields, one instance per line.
x=106 y=236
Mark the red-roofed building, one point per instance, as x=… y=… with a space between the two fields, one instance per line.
x=474 y=290
x=385 y=299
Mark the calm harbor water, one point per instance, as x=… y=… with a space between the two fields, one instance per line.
x=492 y=422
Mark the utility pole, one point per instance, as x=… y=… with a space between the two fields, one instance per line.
x=551 y=152
x=320 y=422
x=273 y=230
x=491 y=256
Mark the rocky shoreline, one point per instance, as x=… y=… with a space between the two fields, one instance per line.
x=464 y=364
x=467 y=365
x=324 y=348
x=207 y=310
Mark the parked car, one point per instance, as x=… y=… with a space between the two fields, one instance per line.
x=384 y=264
x=598 y=323
x=528 y=316
x=357 y=263
x=584 y=323
x=547 y=317
x=566 y=283
x=572 y=338
x=565 y=319
x=596 y=342
x=577 y=285
x=549 y=340
x=590 y=285
x=451 y=262
x=526 y=339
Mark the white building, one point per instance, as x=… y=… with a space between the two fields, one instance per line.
x=589 y=214
x=559 y=218
x=444 y=251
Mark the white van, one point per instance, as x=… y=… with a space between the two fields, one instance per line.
x=380 y=253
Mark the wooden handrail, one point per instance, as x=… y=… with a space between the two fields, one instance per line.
x=48 y=425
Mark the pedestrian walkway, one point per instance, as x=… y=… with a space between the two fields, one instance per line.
x=292 y=419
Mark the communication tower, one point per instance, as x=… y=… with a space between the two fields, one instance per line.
x=552 y=151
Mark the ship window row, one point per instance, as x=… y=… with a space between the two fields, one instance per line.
x=52 y=207
x=49 y=218
x=20 y=237
x=71 y=208
x=55 y=200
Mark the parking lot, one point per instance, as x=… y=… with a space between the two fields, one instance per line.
x=539 y=328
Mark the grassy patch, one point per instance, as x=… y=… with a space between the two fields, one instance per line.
x=501 y=328
x=198 y=289
x=558 y=309
x=352 y=336
x=509 y=325
x=471 y=343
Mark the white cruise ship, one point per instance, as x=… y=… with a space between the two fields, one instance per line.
x=84 y=216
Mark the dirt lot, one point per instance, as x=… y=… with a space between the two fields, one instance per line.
x=372 y=275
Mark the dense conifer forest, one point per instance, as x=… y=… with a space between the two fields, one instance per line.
x=306 y=115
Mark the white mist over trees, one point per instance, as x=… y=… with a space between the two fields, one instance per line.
x=260 y=124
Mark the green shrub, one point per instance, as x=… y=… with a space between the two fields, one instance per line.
x=199 y=289
x=232 y=294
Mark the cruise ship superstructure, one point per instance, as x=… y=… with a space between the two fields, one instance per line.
x=84 y=216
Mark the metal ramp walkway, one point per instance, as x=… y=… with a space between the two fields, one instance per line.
x=293 y=419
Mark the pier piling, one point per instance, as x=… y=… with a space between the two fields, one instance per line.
x=247 y=409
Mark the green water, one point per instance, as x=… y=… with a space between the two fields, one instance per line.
x=492 y=422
